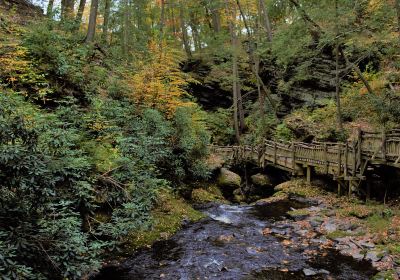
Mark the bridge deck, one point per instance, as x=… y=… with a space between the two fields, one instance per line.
x=345 y=161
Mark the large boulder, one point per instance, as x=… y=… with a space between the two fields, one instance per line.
x=229 y=179
x=261 y=180
x=215 y=162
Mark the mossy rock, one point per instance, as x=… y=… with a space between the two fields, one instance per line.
x=298 y=213
x=204 y=196
x=168 y=217
x=228 y=179
x=239 y=198
x=261 y=180
x=299 y=187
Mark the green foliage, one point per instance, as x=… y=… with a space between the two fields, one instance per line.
x=41 y=180
x=260 y=128
x=219 y=123
x=59 y=169
x=190 y=145
x=282 y=132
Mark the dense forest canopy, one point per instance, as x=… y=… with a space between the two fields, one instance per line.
x=105 y=103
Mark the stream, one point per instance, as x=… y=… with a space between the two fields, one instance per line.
x=230 y=244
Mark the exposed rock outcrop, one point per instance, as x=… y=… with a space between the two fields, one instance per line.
x=228 y=179
x=261 y=180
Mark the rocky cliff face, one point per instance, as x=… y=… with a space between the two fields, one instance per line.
x=308 y=81
x=21 y=7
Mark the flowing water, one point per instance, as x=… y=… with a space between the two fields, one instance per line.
x=230 y=244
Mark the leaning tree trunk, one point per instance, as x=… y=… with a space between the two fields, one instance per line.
x=397 y=3
x=234 y=74
x=266 y=21
x=81 y=9
x=50 y=9
x=255 y=68
x=67 y=9
x=338 y=107
x=185 y=37
x=216 y=20
x=92 y=21
x=107 y=8
x=125 y=33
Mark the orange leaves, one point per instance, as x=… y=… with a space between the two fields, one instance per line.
x=19 y=72
x=13 y=63
x=160 y=83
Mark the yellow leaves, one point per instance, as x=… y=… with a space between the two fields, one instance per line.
x=19 y=72
x=160 y=83
x=13 y=62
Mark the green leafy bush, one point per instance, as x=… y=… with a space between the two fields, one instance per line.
x=59 y=169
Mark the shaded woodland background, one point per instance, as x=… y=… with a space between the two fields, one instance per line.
x=105 y=103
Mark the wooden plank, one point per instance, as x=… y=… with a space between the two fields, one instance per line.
x=294 y=158
x=359 y=140
x=346 y=158
x=326 y=163
x=339 y=161
x=384 y=144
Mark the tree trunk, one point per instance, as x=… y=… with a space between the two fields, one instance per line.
x=314 y=29
x=234 y=73
x=162 y=18
x=338 y=107
x=254 y=67
x=173 y=20
x=81 y=9
x=216 y=20
x=357 y=70
x=195 y=32
x=92 y=21
x=266 y=21
x=107 y=8
x=67 y=9
x=397 y=3
x=242 y=124
x=125 y=33
x=184 y=31
x=50 y=9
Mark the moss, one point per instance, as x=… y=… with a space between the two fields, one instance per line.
x=209 y=194
x=167 y=220
x=301 y=188
x=299 y=212
x=386 y=275
x=341 y=234
x=378 y=223
x=352 y=209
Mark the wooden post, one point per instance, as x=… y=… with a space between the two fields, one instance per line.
x=326 y=158
x=359 y=150
x=339 y=186
x=308 y=174
x=293 y=158
x=275 y=153
x=350 y=183
x=354 y=159
x=339 y=160
x=384 y=145
x=346 y=159
x=368 y=191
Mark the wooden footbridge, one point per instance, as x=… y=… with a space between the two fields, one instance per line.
x=346 y=162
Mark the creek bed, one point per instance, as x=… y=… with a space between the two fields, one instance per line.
x=230 y=244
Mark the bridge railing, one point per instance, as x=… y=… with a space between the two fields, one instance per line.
x=340 y=159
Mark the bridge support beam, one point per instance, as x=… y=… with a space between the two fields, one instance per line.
x=309 y=171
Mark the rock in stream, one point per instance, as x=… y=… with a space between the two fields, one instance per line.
x=233 y=243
